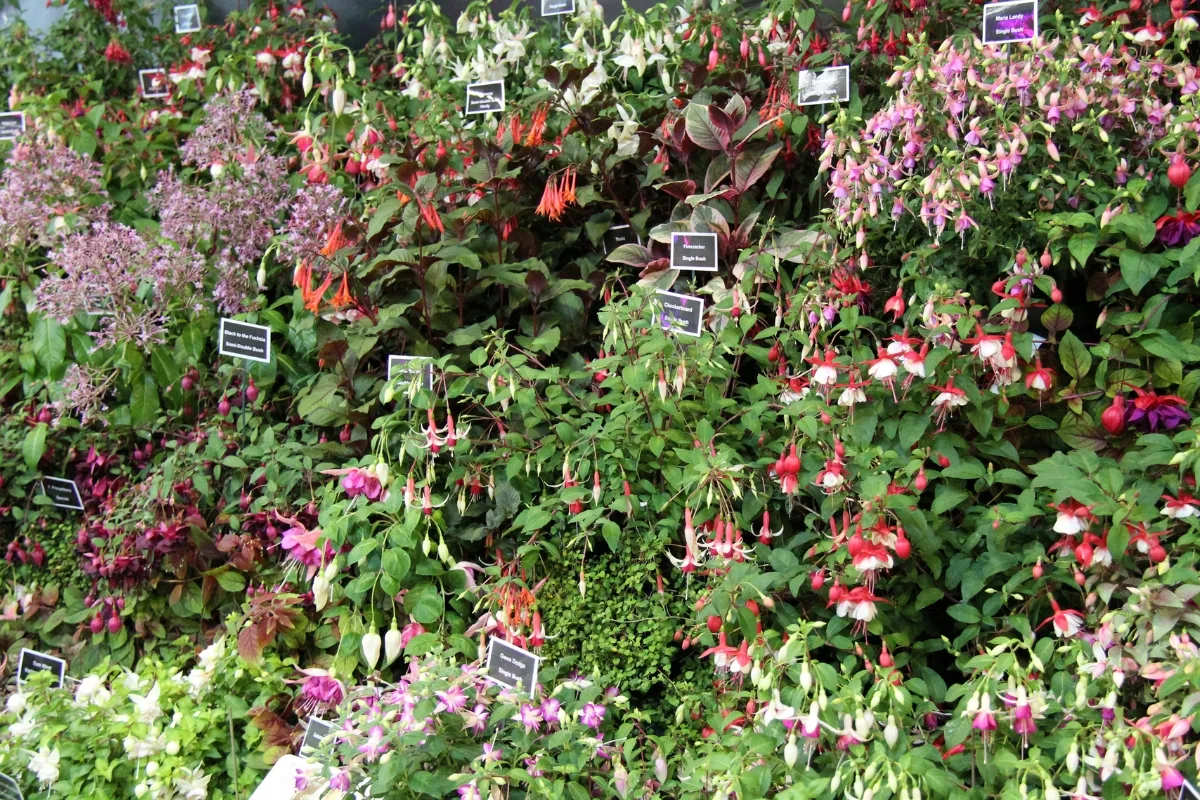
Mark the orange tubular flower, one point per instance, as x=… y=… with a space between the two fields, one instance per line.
x=337 y=240
x=311 y=297
x=343 y=297
x=537 y=126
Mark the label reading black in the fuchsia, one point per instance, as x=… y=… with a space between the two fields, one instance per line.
x=245 y=340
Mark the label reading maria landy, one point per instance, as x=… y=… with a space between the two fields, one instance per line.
x=244 y=340
x=694 y=251
x=682 y=313
x=12 y=125
x=31 y=661
x=1010 y=22
x=511 y=666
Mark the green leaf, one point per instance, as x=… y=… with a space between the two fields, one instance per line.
x=1081 y=246
x=1135 y=226
x=947 y=498
x=231 y=580
x=387 y=209
x=702 y=130
x=396 y=563
x=1074 y=355
x=421 y=644
x=49 y=343
x=928 y=596
x=964 y=613
x=1139 y=268
x=143 y=400
x=35 y=445
x=424 y=601
x=1191 y=192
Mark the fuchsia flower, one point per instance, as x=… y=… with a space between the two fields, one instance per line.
x=949 y=397
x=321 y=689
x=1181 y=507
x=476 y=719
x=376 y=743
x=1150 y=411
x=692 y=556
x=1073 y=517
x=1176 y=230
x=530 y=717
x=592 y=715
x=1067 y=622
x=453 y=700
x=491 y=752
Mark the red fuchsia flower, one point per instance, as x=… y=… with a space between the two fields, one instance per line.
x=914 y=364
x=1181 y=507
x=858 y=604
x=1146 y=542
x=884 y=370
x=1090 y=15
x=853 y=394
x=116 y=54
x=265 y=59
x=723 y=653
x=1150 y=411
x=692 y=557
x=1113 y=417
x=1067 y=622
x=825 y=371
x=832 y=478
x=949 y=397
x=1176 y=230
x=1039 y=379
x=1073 y=517
x=895 y=304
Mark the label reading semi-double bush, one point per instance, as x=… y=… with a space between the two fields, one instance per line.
x=820 y=86
x=406 y=368
x=244 y=340
x=511 y=666
x=694 y=251
x=63 y=493
x=12 y=125
x=32 y=662
x=1005 y=23
x=314 y=732
x=187 y=18
x=485 y=98
x=681 y=313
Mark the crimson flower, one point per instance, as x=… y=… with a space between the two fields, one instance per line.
x=1176 y=230
x=1150 y=411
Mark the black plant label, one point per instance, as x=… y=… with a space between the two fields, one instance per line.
x=551 y=8
x=63 y=493
x=153 y=82
x=511 y=666
x=485 y=98
x=820 y=86
x=12 y=125
x=187 y=18
x=694 y=251
x=681 y=313
x=244 y=340
x=618 y=235
x=314 y=732
x=31 y=661
x=1014 y=21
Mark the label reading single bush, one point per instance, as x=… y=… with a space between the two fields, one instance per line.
x=551 y=8
x=12 y=125
x=31 y=661
x=694 y=251
x=187 y=18
x=1015 y=21
x=485 y=98
x=153 y=82
x=509 y=665
x=682 y=313
x=819 y=86
x=618 y=235
x=63 y=493
x=244 y=340
x=401 y=366
x=314 y=732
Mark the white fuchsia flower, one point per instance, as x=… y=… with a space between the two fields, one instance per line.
x=1182 y=507
x=44 y=764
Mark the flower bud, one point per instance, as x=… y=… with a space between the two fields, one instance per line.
x=370 y=647
x=791 y=753
x=392 y=644
x=891 y=733
x=338 y=100
x=306 y=82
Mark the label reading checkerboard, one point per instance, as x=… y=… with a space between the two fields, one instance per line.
x=244 y=340
x=682 y=313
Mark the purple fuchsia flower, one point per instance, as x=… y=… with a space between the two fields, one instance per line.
x=469 y=791
x=592 y=715
x=552 y=712
x=476 y=719
x=531 y=717
x=321 y=689
x=1151 y=411
x=453 y=700
x=340 y=781
x=1176 y=230
x=376 y=743
x=491 y=753
x=531 y=767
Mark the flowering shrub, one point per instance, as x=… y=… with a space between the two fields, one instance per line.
x=913 y=515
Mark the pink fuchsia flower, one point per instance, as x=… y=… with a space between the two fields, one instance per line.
x=552 y=712
x=469 y=791
x=321 y=689
x=491 y=752
x=530 y=717
x=592 y=715
x=476 y=719
x=948 y=398
x=825 y=370
x=340 y=781
x=452 y=700
x=692 y=556
x=376 y=743
x=1067 y=622
x=859 y=604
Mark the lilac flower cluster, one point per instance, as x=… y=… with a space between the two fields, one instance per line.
x=112 y=272
x=46 y=190
x=84 y=390
x=311 y=219
x=997 y=107
x=230 y=130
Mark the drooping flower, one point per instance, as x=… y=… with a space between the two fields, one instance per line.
x=592 y=715
x=1073 y=517
x=1066 y=622
x=376 y=743
x=1181 y=507
x=1151 y=411
x=1176 y=230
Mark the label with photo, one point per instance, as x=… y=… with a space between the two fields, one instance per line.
x=244 y=340
x=694 y=251
x=618 y=235
x=187 y=18
x=821 y=86
x=1010 y=22
x=486 y=97
x=511 y=666
x=63 y=493
x=153 y=82
x=31 y=661
x=12 y=125
x=682 y=313
x=400 y=366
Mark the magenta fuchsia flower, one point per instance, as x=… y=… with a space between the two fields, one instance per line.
x=340 y=781
x=1151 y=411
x=491 y=753
x=452 y=700
x=376 y=743
x=592 y=715
x=469 y=791
x=321 y=689
x=530 y=717
x=552 y=712
x=476 y=719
